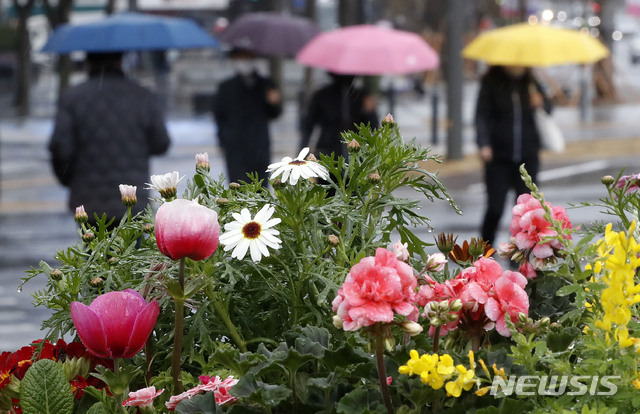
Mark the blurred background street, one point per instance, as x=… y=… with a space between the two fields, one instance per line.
x=601 y=131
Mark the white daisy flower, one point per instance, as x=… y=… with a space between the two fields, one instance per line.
x=293 y=169
x=165 y=184
x=250 y=234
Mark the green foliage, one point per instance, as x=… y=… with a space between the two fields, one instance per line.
x=45 y=390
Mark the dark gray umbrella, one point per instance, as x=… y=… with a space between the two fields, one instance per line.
x=269 y=34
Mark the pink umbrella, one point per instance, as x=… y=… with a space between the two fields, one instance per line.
x=369 y=50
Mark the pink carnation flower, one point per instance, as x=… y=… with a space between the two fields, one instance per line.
x=374 y=289
x=220 y=389
x=142 y=398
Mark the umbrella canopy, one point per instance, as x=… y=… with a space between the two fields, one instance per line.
x=269 y=34
x=527 y=44
x=129 y=31
x=369 y=50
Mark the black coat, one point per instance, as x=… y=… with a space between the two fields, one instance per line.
x=327 y=111
x=504 y=117
x=242 y=115
x=105 y=131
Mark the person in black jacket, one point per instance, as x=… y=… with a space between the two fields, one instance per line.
x=105 y=131
x=335 y=108
x=506 y=135
x=243 y=107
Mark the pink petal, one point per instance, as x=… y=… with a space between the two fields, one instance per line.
x=492 y=309
x=145 y=321
x=90 y=330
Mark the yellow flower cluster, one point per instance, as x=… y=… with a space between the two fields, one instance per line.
x=435 y=369
x=617 y=261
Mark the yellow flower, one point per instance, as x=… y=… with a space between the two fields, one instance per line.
x=499 y=371
x=636 y=383
x=434 y=370
x=464 y=381
x=482 y=391
x=484 y=368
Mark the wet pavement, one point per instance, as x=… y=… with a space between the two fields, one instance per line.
x=34 y=221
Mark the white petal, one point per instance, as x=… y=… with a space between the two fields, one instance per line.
x=303 y=153
x=237 y=217
x=271 y=223
x=245 y=216
x=241 y=249
x=295 y=175
x=233 y=226
x=264 y=214
x=285 y=175
x=231 y=238
x=262 y=247
x=255 y=252
x=277 y=172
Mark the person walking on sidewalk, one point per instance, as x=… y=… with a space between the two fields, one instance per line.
x=335 y=108
x=105 y=131
x=506 y=136
x=243 y=107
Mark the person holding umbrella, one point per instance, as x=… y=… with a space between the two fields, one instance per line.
x=243 y=107
x=105 y=131
x=507 y=136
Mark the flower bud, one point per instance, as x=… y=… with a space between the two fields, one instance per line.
x=222 y=201
x=277 y=184
x=456 y=305
x=76 y=366
x=56 y=274
x=202 y=161
x=433 y=306
x=166 y=184
x=373 y=178
x=435 y=262
x=234 y=186
x=522 y=317
x=401 y=251
x=476 y=247
x=388 y=121
x=81 y=215
x=412 y=328
x=148 y=228
x=389 y=343
x=353 y=146
x=444 y=305
x=96 y=281
x=607 y=180
x=88 y=237
x=333 y=240
x=518 y=256
x=337 y=321
x=435 y=321
x=128 y=195
x=544 y=322
x=445 y=242
x=452 y=316
x=311 y=158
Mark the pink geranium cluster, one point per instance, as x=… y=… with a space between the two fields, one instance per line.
x=220 y=389
x=487 y=295
x=533 y=242
x=375 y=290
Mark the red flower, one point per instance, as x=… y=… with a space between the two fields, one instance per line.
x=184 y=228
x=116 y=324
x=8 y=362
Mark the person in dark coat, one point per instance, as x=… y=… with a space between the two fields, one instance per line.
x=243 y=107
x=105 y=131
x=506 y=135
x=335 y=108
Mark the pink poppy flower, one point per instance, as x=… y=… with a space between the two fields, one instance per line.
x=142 y=398
x=374 y=289
x=116 y=324
x=509 y=299
x=184 y=228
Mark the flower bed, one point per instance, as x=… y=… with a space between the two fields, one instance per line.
x=311 y=304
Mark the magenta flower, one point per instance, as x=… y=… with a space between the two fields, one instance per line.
x=375 y=289
x=508 y=299
x=116 y=324
x=142 y=398
x=633 y=181
x=184 y=228
x=220 y=389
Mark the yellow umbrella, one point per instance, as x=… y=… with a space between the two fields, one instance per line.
x=527 y=44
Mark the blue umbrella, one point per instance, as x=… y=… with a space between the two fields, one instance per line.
x=129 y=31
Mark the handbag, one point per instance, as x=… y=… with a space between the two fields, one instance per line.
x=551 y=136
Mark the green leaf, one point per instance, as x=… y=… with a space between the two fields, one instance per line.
x=46 y=390
x=97 y=408
x=267 y=395
x=203 y=404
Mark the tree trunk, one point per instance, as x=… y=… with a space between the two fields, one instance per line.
x=58 y=15
x=23 y=57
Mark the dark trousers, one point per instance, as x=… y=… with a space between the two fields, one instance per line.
x=499 y=178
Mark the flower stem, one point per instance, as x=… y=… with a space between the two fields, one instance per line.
x=382 y=376
x=118 y=396
x=436 y=340
x=178 y=332
x=224 y=315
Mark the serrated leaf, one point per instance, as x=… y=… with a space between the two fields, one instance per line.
x=97 y=408
x=46 y=390
x=200 y=404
